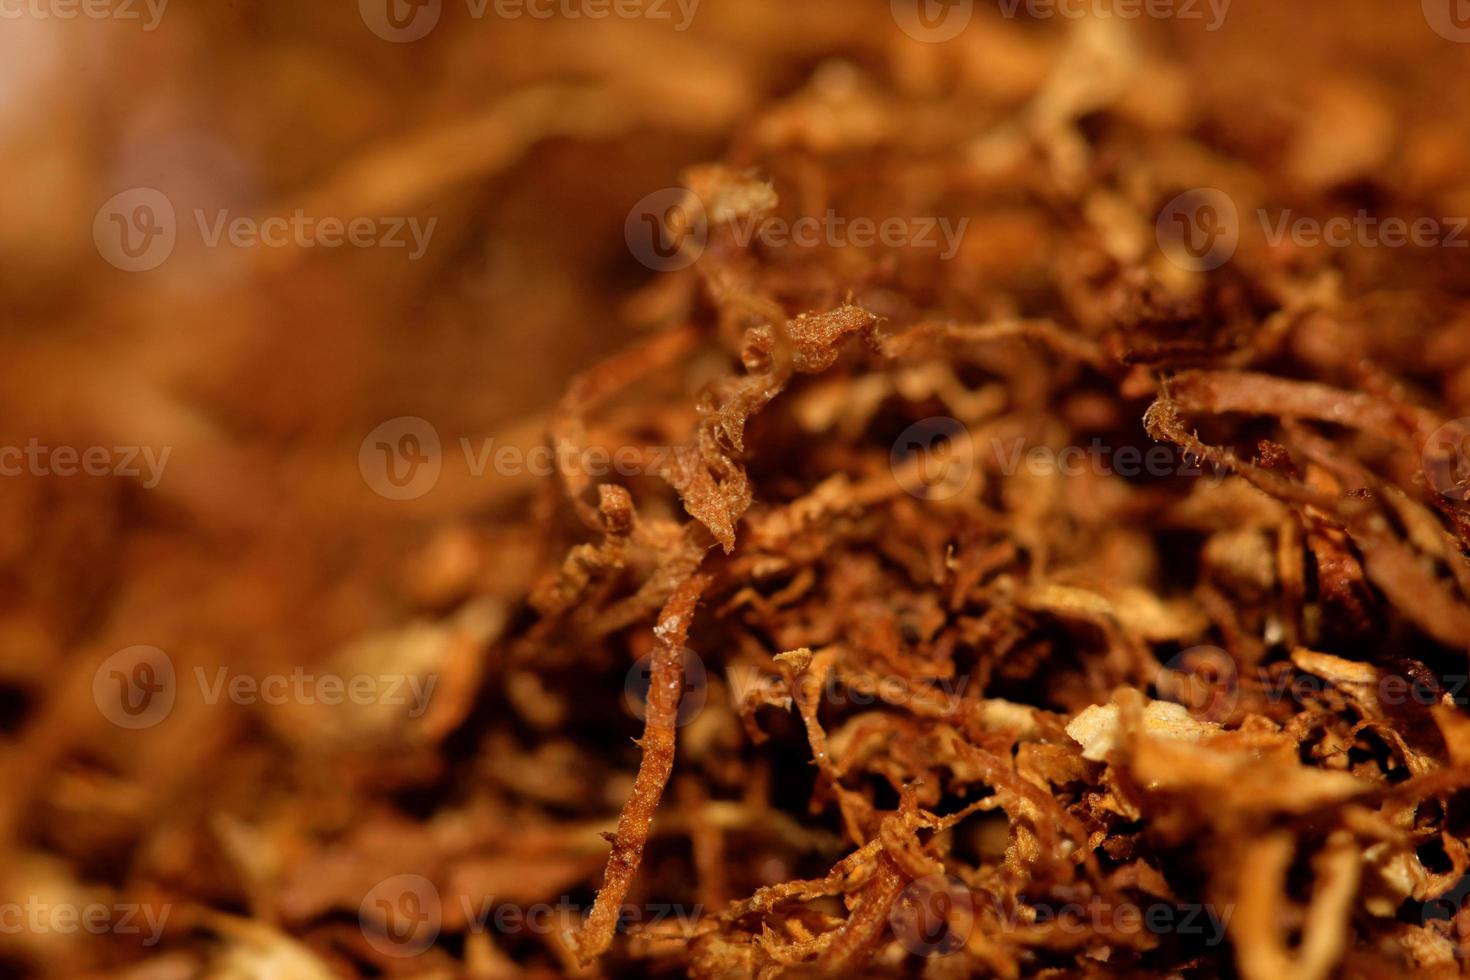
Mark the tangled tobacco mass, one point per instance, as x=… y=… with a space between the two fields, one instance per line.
x=956 y=716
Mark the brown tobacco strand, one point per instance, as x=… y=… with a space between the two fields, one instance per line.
x=665 y=690
x=864 y=927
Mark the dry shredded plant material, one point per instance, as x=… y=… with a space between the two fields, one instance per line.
x=994 y=594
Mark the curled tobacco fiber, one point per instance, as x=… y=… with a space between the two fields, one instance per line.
x=1074 y=776
x=1039 y=606
x=846 y=578
x=1115 y=788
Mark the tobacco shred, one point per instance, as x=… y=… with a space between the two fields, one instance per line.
x=1066 y=692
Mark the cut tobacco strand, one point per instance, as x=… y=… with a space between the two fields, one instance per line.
x=665 y=690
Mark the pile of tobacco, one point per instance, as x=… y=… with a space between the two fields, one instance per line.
x=1066 y=574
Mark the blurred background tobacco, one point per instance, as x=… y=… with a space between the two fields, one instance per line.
x=697 y=487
